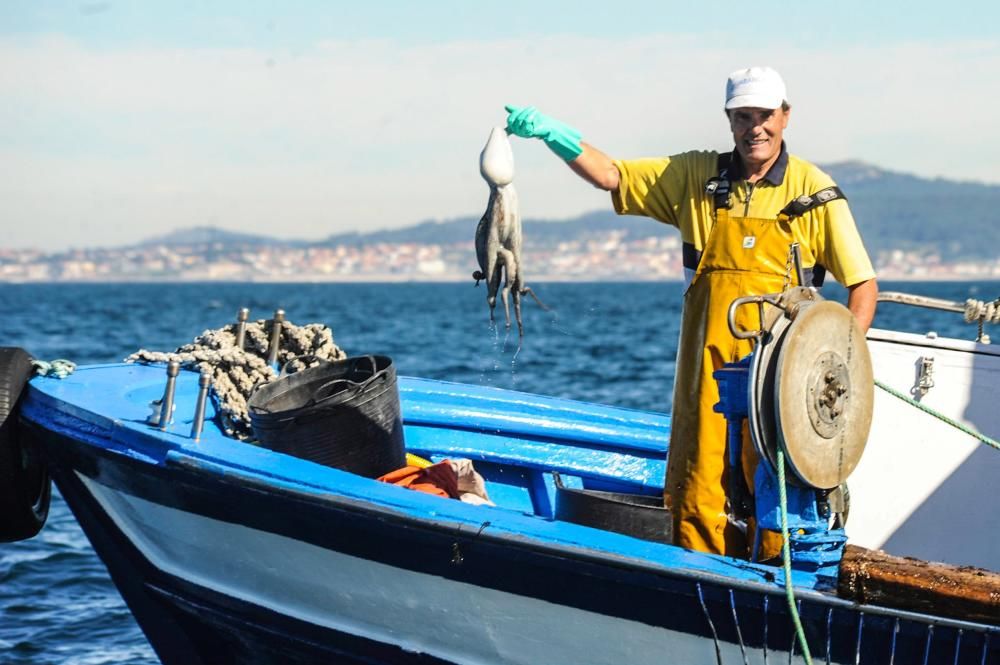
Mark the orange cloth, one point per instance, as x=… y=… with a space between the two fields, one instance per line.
x=438 y=479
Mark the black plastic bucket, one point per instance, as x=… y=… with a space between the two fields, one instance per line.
x=343 y=414
x=638 y=515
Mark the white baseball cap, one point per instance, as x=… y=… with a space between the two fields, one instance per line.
x=758 y=87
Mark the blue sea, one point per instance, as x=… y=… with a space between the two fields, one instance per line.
x=602 y=342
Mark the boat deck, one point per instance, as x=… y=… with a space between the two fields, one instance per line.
x=516 y=441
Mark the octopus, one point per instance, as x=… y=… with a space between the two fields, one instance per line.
x=498 y=234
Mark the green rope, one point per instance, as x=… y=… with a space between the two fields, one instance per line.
x=786 y=559
x=59 y=369
x=940 y=416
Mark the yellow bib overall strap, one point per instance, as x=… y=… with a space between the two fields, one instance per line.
x=806 y=202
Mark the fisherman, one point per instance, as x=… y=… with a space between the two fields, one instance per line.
x=738 y=214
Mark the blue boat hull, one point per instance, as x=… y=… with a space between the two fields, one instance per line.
x=230 y=554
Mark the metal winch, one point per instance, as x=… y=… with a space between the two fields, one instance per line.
x=807 y=387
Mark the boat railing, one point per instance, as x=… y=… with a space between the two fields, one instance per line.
x=975 y=311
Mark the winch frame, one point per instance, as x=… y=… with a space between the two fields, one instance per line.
x=750 y=397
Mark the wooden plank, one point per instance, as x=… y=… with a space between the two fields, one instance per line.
x=960 y=592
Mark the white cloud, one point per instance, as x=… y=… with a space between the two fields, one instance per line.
x=108 y=146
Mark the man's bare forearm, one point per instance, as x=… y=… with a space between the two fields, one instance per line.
x=596 y=168
x=861 y=300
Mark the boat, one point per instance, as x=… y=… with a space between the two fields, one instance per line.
x=226 y=551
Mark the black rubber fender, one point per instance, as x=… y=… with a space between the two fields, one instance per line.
x=25 y=486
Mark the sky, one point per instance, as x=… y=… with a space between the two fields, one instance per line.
x=120 y=120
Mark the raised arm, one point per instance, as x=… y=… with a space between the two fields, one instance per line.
x=596 y=168
x=586 y=161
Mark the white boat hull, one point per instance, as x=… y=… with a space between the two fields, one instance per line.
x=420 y=613
x=924 y=488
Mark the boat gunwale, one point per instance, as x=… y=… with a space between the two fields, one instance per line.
x=899 y=338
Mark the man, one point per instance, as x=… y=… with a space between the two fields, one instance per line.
x=738 y=215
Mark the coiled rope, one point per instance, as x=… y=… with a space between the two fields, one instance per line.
x=59 y=368
x=982 y=311
x=237 y=372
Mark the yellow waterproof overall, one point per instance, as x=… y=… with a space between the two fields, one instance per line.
x=742 y=256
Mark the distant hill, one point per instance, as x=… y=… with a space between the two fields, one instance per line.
x=901 y=211
x=462 y=229
x=208 y=235
x=894 y=211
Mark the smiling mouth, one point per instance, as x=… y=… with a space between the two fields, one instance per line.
x=754 y=142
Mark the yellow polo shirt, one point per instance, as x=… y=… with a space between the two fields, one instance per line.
x=672 y=190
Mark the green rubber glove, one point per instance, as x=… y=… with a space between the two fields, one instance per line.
x=528 y=123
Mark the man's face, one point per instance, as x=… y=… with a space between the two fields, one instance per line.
x=757 y=133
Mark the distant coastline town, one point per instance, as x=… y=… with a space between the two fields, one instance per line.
x=914 y=228
x=607 y=256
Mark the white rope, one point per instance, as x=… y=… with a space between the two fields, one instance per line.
x=980 y=310
x=236 y=372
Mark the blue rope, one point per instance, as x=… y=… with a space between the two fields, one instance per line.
x=715 y=635
x=861 y=627
x=59 y=368
x=829 y=633
x=892 y=650
x=765 y=629
x=736 y=622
